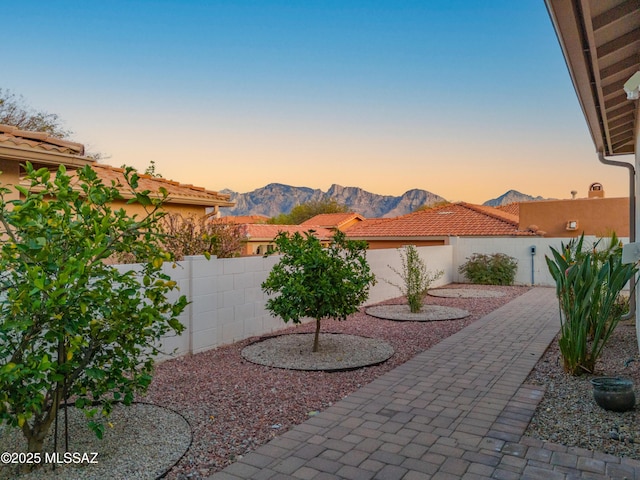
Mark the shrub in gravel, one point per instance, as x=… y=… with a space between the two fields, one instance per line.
x=72 y=326
x=415 y=276
x=493 y=269
x=311 y=280
x=588 y=285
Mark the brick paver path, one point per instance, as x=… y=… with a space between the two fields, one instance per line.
x=455 y=411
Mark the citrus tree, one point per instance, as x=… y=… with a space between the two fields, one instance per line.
x=72 y=326
x=318 y=282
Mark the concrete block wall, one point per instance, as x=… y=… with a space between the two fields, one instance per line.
x=227 y=303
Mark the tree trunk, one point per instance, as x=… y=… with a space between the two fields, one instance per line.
x=316 y=338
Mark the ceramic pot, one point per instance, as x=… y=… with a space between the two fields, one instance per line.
x=614 y=393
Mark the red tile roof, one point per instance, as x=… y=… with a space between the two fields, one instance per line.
x=459 y=219
x=242 y=219
x=38 y=141
x=178 y=192
x=333 y=220
x=512 y=208
x=261 y=231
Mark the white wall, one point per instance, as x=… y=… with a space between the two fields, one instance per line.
x=519 y=248
x=228 y=305
x=436 y=258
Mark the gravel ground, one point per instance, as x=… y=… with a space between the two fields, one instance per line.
x=569 y=415
x=335 y=352
x=141 y=443
x=234 y=405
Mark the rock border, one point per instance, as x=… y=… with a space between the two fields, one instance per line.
x=429 y=313
x=464 y=293
x=141 y=441
x=338 y=352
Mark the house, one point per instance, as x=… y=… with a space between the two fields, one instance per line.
x=20 y=146
x=600 y=41
x=436 y=225
x=593 y=215
x=335 y=221
x=259 y=238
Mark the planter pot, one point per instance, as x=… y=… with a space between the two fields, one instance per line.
x=614 y=393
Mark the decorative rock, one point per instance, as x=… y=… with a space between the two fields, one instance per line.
x=429 y=313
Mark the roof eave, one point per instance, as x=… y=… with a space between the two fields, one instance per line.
x=569 y=28
x=43 y=157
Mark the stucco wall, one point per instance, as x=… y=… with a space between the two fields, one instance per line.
x=595 y=216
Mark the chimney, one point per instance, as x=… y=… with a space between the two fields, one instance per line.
x=596 y=190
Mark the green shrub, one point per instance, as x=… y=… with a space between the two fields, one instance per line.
x=494 y=269
x=588 y=285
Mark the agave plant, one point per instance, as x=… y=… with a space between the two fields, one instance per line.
x=588 y=284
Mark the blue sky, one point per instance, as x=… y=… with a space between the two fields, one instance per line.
x=465 y=99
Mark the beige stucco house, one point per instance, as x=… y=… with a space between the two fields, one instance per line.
x=20 y=146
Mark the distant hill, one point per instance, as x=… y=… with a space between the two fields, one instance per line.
x=512 y=196
x=277 y=198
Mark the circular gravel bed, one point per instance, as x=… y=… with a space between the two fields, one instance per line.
x=464 y=293
x=142 y=441
x=429 y=313
x=234 y=406
x=335 y=352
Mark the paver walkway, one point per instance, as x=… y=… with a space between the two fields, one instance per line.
x=455 y=411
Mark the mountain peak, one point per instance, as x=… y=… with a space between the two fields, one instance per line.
x=276 y=198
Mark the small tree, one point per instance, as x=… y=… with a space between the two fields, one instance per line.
x=70 y=325
x=415 y=276
x=305 y=211
x=317 y=282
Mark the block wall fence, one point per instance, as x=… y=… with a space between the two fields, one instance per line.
x=227 y=303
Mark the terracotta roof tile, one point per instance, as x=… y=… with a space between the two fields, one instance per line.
x=512 y=208
x=242 y=219
x=38 y=141
x=333 y=219
x=459 y=219
x=262 y=231
x=178 y=193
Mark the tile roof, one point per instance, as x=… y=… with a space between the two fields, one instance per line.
x=263 y=231
x=242 y=219
x=38 y=141
x=512 y=208
x=335 y=220
x=178 y=192
x=458 y=219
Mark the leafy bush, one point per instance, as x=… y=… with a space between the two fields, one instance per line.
x=415 y=276
x=318 y=282
x=494 y=269
x=588 y=285
x=201 y=236
x=70 y=325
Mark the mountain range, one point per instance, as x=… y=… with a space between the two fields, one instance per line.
x=277 y=198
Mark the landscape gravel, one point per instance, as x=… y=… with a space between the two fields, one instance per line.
x=569 y=415
x=234 y=405
x=429 y=313
x=141 y=442
x=335 y=352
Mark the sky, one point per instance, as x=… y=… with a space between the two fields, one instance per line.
x=465 y=99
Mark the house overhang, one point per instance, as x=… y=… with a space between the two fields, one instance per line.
x=600 y=40
x=43 y=157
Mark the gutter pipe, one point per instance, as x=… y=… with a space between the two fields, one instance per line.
x=632 y=221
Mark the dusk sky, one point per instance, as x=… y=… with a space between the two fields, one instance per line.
x=466 y=99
